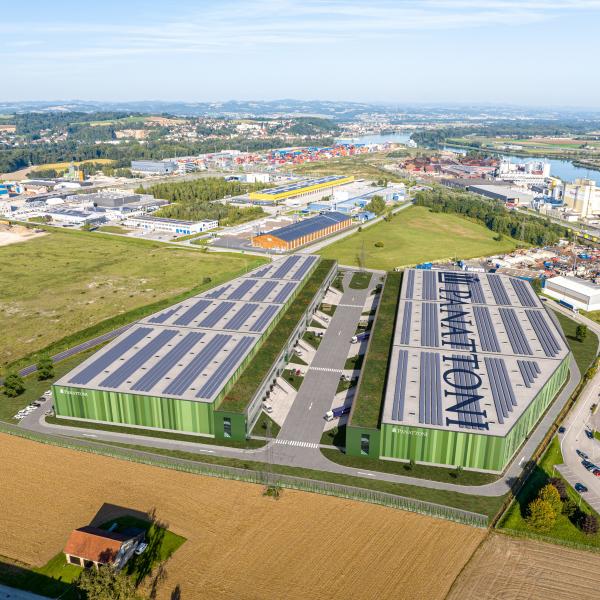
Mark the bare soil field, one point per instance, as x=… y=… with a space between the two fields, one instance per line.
x=240 y=544
x=17 y=234
x=512 y=569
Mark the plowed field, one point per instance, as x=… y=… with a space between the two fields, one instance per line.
x=505 y=568
x=239 y=544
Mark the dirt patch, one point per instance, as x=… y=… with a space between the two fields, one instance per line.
x=511 y=569
x=239 y=543
x=17 y=233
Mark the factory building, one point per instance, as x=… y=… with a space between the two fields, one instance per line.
x=154 y=167
x=504 y=193
x=174 y=226
x=475 y=362
x=573 y=291
x=171 y=370
x=303 y=232
x=300 y=188
x=76 y=217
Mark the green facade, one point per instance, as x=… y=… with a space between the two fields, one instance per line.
x=448 y=447
x=134 y=409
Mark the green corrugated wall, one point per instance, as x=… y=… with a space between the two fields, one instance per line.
x=469 y=450
x=134 y=409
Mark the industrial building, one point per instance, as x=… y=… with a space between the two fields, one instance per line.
x=475 y=362
x=171 y=370
x=76 y=217
x=504 y=193
x=174 y=226
x=300 y=188
x=574 y=291
x=303 y=232
x=154 y=167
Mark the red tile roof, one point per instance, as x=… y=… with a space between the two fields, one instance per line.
x=91 y=543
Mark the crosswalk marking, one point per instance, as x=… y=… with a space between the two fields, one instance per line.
x=351 y=305
x=297 y=443
x=326 y=369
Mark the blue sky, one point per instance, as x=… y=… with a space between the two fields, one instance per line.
x=535 y=52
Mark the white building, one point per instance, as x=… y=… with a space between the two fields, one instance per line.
x=257 y=178
x=173 y=226
x=526 y=172
x=582 y=197
x=579 y=293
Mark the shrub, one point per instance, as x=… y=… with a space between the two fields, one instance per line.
x=45 y=368
x=569 y=508
x=378 y=244
x=550 y=494
x=581 y=332
x=561 y=486
x=541 y=515
x=589 y=524
x=13 y=385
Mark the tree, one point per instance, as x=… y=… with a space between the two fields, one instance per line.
x=551 y=495
x=569 y=508
x=581 y=332
x=536 y=284
x=105 y=582
x=561 y=486
x=45 y=368
x=376 y=205
x=541 y=515
x=589 y=524
x=13 y=385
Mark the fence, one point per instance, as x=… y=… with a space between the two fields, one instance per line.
x=259 y=477
x=549 y=540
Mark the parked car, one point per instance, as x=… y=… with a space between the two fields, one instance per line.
x=561 y=429
x=589 y=433
x=579 y=487
x=582 y=454
x=141 y=548
x=596 y=472
x=589 y=466
x=268 y=408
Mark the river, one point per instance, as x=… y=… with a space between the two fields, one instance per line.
x=392 y=138
x=564 y=169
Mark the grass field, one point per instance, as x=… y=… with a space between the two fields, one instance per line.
x=417 y=235
x=515 y=569
x=61 y=283
x=113 y=229
x=65 y=165
x=240 y=544
x=584 y=352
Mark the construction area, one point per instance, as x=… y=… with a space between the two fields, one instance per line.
x=475 y=362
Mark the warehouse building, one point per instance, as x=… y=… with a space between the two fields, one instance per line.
x=300 y=188
x=475 y=362
x=574 y=291
x=303 y=232
x=504 y=193
x=174 y=226
x=171 y=370
x=154 y=167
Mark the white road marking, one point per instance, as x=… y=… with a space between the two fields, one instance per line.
x=88 y=435
x=369 y=474
x=351 y=305
x=310 y=406
x=326 y=369
x=296 y=443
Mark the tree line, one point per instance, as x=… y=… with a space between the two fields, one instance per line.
x=492 y=214
x=195 y=200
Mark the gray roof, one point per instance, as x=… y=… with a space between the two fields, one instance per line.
x=190 y=350
x=470 y=351
x=298 y=186
x=294 y=231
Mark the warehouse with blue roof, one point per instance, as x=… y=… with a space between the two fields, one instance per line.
x=303 y=232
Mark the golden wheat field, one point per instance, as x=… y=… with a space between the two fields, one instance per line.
x=505 y=568
x=240 y=544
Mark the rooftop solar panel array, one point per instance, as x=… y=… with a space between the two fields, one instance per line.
x=470 y=352
x=292 y=232
x=198 y=342
x=298 y=185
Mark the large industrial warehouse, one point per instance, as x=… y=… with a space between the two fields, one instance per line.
x=300 y=188
x=475 y=362
x=303 y=232
x=171 y=370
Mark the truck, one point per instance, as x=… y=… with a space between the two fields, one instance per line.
x=337 y=412
x=567 y=305
x=360 y=337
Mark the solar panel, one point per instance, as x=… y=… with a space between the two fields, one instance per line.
x=217 y=314
x=195 y=367
x=529 y=371
x=308 y=226
x=161 y=368
x=241 y=317
x=429 y=324
x=218 y=292
x=498 y=290
x=163 y=316
x=524 y=292
x=410 y=284
x=139 y=359
x=263 y=291
x=192 y=312
x=487 y=334
x=262 y=272
x=264 y=319
x=429 y=287
x=477 y=295
x=550 y=345
x=242 y=289
x=285 y=291
x=301 y=272
x=406 y=323
x=502 y=392
x=516 y=335
x=110 y=356
x=430 y=394
x=217 y=379
x=470 y=413
x=400 y=386
x=285 y=267
x=455 y=331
